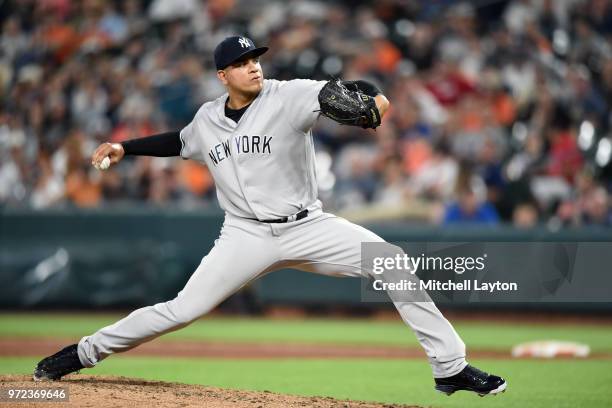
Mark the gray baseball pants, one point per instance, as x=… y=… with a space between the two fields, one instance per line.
x=247 y=249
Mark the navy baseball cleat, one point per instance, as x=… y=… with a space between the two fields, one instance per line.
x=54 y=367
x=471 y=379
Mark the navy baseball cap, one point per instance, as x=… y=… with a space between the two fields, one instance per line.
x=235 y=48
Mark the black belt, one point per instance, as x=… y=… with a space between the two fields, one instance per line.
x=294 y=217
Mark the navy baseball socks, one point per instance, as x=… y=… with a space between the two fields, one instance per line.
x=54 y=367
x=471 y=379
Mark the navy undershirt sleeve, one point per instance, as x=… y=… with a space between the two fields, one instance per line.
x=161 y=145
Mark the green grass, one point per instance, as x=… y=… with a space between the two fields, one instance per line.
x=488 y=335
x=531 y=383
x=537 y=384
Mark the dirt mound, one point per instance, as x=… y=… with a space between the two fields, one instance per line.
x=108 y=391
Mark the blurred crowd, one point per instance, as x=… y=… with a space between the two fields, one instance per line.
x=500 y=109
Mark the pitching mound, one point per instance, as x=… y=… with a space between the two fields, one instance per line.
x=107 y=391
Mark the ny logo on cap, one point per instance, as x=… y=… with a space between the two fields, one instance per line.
x=244 y=42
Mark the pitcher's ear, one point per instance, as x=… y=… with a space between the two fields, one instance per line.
x=222 y=77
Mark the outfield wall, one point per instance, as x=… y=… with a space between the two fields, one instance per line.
x=138 y=256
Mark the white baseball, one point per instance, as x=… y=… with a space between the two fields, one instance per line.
x=105 y=163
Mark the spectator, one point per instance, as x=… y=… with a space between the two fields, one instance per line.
x=393 y=190
x=437 y=178
x=469 y=210
x=81 y=189
x=596 y=209
x=471 y=206
x=49 y=188
x=525 y=216
x=523 y=96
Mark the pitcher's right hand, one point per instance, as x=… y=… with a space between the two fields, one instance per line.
x=114 y=151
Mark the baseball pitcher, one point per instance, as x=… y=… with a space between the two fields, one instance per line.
x=257 y=142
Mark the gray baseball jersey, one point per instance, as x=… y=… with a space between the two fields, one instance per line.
x=264 y=165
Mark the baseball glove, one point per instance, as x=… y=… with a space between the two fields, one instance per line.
x=348 y=107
